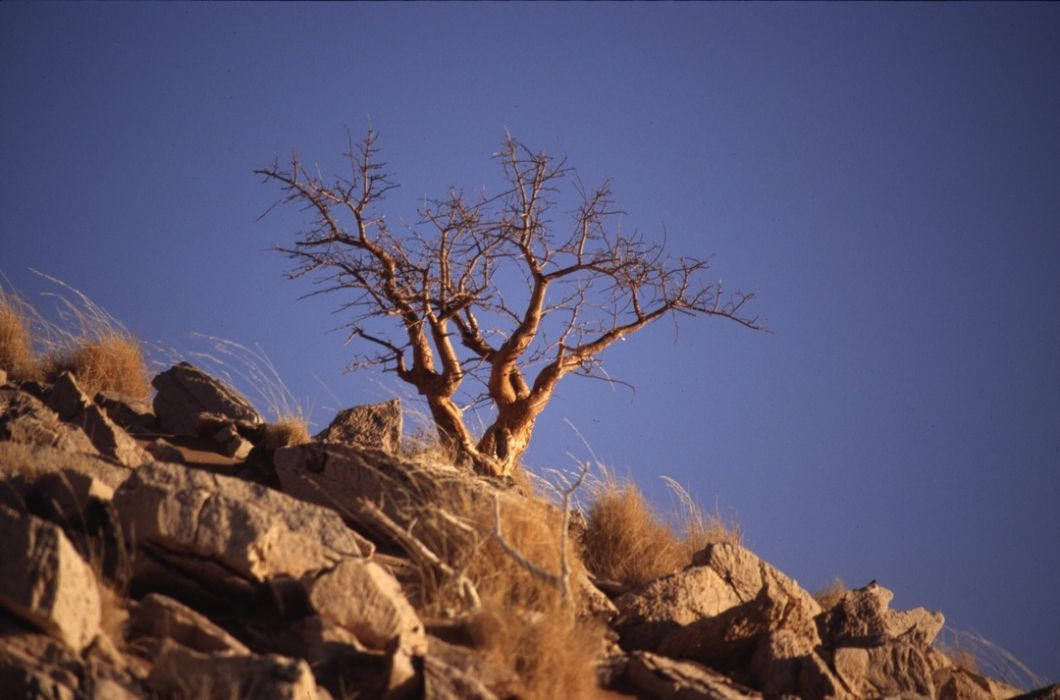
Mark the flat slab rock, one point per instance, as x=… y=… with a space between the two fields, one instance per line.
x=44 y=580
x=253 y=531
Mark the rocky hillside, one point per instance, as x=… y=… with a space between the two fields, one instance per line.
x=189 y=549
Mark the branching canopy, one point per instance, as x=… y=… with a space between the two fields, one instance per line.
x=488 y=289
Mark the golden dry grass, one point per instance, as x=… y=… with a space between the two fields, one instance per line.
x=524 y=623
x=16 y=345
x=627 y=541
x=84 y=340
x=286 y=432
x=112 y=362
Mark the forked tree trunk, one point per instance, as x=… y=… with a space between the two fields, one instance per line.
x=501 y=446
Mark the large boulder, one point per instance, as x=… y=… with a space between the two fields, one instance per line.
x=666 y=604
x=185 y=392
x=249 y=530
x=73 y=406
x=376 y=426
x=43 y=580
x=364 y=598
x=769 y=602
x=25 y=419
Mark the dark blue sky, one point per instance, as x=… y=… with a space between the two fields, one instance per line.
x=885 y=177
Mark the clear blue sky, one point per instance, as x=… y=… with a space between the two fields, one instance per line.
x=885 y=177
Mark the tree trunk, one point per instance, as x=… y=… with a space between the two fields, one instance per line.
x=506 y=440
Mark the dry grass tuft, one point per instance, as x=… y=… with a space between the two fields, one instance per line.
x=975 y=653
x=626 y=540
x=84 y=340
x=16 y=345
x=524 y=623
x=553 y=654
x=287 y=432
x=107 y=363
x=831 y=594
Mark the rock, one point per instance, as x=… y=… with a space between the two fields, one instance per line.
x=1049 y=692
x=251 y=531
x=465 y=662
x=164 y=451
x=375 y=426
x=3 y=377
x=25 y=419
x=770 y=602
x=748 y=575
x=862 y=618
x=184 y=392
x=958 y=684
x=43 y=580
x=73 y=406
x=336 y=475
x=132 y=414
x=160 y=617
x=444 y=682
x=896 y=668
x=182 y=672
x=786 y=664
x=232 y=443
x=36 y=666
x=666 y=679
x=365 y=599
x=669 y=603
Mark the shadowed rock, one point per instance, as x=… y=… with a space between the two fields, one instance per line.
x=25 y=419
x=185 y=392
x=376 y=426
x=73 y=406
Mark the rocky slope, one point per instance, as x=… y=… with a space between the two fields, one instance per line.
x=180 y=550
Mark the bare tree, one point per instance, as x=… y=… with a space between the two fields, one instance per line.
x=488 y=289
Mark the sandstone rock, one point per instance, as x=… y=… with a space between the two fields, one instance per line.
x=666 y=679
x=466 y=662
x=1049 y=692
x=36 y=666
x=336 y=475
x=668 y=603
x=160 y=617
x=132 y=414
x=376 y=426
x=73 y=406
x=250 y=530
x=232 y=443
x=45 y=581
x=896 y=668
x=958 y=684
x=164 y=451
x=862 y=618
x=748 y=575
x=25 y=419
x=184 y=392
x=362 y=597
x=444 y=682
x=770 y=602
x=728 y=640
x=182 y=672
x=786 y=664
